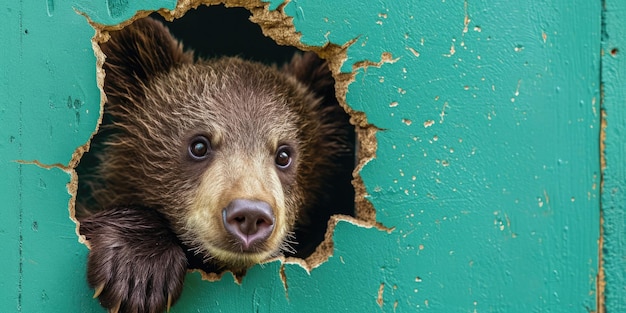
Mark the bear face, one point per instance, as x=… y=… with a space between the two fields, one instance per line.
x=231 y=162
x=217 y=133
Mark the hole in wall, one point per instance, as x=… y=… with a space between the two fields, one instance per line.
x=210 y=32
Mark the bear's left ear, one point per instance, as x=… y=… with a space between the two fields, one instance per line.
x=136 y=54
x=312 y=71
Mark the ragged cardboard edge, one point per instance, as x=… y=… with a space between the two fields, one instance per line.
x=72 y=186
x=278 y=26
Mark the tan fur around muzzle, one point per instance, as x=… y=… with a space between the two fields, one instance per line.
x=225 y=180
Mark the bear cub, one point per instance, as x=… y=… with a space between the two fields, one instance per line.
x=214 y=164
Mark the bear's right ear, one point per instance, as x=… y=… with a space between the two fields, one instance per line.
x=136 y=54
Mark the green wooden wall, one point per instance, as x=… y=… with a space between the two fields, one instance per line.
x=491 y=118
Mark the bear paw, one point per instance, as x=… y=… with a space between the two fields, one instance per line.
x=136 y=263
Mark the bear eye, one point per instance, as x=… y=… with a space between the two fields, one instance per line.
x=283 y=157
x=199 y=148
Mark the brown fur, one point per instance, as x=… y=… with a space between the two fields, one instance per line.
x=148 y=203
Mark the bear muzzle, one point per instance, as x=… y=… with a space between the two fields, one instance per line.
x=250 y=222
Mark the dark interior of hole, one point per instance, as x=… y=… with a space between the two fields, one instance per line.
x=218 y=31
x=214 y=31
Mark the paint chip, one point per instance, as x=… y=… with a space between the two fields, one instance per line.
x=379 y=298
x=466 y=19
x=415 y=53
x=443 y=112
x=452 y=50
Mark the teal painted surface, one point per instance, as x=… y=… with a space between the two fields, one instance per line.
x=111 y=12
x=348 y=282
x=49 y=105
x=487 y=165
x=614 y=193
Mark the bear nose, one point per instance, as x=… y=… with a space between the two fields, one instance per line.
x=249 y=221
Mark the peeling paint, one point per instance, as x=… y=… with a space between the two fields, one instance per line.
x=379 y=297
x=611 y=276
x=415 y=53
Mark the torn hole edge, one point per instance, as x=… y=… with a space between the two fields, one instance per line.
x=278 y=26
